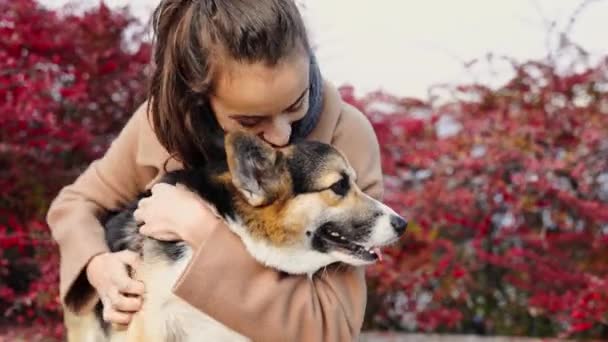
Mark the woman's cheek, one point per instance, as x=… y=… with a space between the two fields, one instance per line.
x=299 y=115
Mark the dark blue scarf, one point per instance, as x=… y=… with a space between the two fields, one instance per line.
x=303 y=127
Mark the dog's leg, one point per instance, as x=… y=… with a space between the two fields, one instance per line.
x=82 y=328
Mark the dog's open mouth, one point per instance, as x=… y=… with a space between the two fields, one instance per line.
x=330 y=239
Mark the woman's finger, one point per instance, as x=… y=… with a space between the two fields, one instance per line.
x=138 y=216
x=127 y=285
x=167 y=236
x=126 y=304
x=113 y=316
x=158 y=234
x=130 y=258
x=144 y=202
x=147 y=230
x=133 y=287
x=160 y=187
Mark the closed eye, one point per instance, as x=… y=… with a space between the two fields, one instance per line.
x=296 y=106
x=249 y=121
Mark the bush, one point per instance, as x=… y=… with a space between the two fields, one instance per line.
x=67 y=85
x=507 y=195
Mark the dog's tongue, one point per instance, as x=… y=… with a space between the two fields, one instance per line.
x=378 y=253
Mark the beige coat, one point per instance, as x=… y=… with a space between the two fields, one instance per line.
x=223 y=280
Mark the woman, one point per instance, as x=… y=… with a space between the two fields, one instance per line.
x=220 y=66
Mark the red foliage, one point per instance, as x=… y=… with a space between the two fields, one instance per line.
x=67 y=85
x=507 y=193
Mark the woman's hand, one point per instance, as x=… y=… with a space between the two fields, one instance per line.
x=120 y=295
x=174 y=213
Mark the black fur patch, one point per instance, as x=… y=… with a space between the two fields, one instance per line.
x=121 y=230
x=173 y=250
x=360 y=230
x=317 y=242
x=306 y=163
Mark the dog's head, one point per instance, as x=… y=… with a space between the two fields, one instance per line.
x=305 y=197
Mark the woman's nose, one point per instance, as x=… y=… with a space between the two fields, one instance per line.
x=278 y=132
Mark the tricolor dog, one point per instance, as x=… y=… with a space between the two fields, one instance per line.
x=296 y=209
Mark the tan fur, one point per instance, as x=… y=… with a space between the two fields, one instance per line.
x=137 y=331
x=333 y=165
x=330 y=199
x=354 y=200
x=224 y=178
x=327 y=179
x=267 y=222
x=302 y=210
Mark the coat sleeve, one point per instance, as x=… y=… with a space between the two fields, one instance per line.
x=73 y=216
x=264 y=304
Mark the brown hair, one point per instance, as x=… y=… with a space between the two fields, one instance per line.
x=191 y=36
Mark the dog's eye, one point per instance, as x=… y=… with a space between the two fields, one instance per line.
x=341 y=187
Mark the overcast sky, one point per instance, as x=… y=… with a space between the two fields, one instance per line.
x=405 y=46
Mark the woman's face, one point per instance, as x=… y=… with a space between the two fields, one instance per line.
x=262 y=99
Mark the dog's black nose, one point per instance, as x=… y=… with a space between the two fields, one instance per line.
x=399 y=224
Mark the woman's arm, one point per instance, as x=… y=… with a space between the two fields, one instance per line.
x=224 y=281
x=73 y=216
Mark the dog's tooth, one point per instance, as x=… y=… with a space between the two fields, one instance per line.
x=342 y=237
x=334 y=234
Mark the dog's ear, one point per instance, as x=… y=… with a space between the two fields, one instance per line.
x=253 y=166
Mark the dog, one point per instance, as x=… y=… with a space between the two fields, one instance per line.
x=296 y=209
